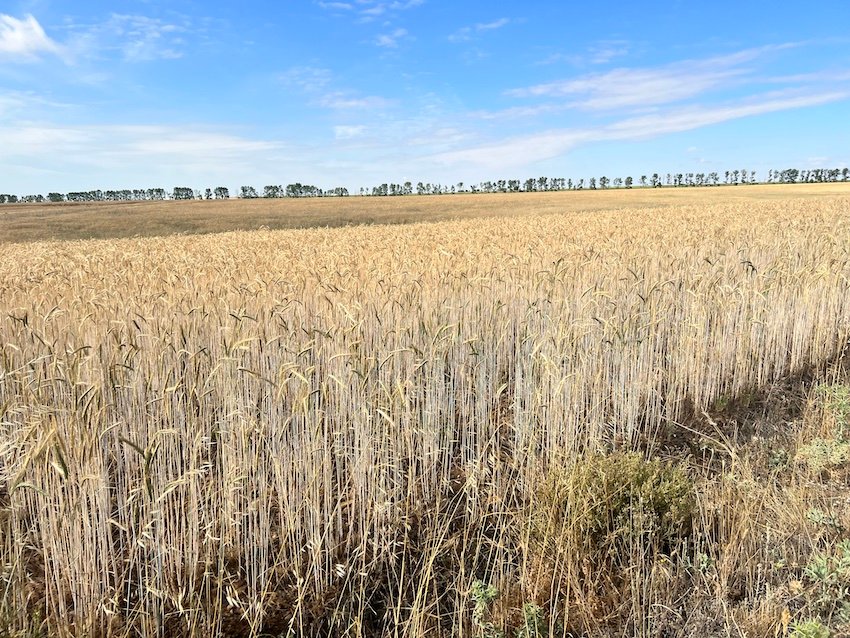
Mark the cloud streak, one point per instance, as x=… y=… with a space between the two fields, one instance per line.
x=369 y=10
x=317 y=84
x=391 y=40
x=24 y=40
x=519 y=151
x=465 y=34
x=646 y=87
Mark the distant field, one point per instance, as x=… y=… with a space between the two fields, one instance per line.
x=104 y=220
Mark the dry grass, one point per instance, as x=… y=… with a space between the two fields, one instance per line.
x=38 y=222
x=342 y=431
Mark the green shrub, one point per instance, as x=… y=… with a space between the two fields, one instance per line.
x=835 y=401
x=809 y=629
x=829 y=573
x=603 y=506
x=482 y=596
x=824 y=454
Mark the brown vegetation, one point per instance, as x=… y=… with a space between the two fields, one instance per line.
x=626 y=422
x=105 y=220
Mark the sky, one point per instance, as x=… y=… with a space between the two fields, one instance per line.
x=354 y=93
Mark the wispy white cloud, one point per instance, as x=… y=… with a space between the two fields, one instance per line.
x=490 y=26
x=688 y=118
x=140 y=38
x=465 y=34
x=340 y=100
x=147 y=38
x=28 y=103
x=636 y=87
x=633 y=87
x=306 y=78
x=520 y=112
x=347 y=132
x=317 y=84
x=524 y=150
x=24 y=40
x=370 y=10
x=337 y=6
x=391 y=40
x=599 y=53
x=129 y=37
x=105 y=156
x=127 y=141
x=605 y=51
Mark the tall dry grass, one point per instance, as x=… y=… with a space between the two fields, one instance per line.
x=336 y=431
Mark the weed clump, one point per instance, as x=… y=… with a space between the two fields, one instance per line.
x=829 y=575
x=603 y=506
x=830 y=452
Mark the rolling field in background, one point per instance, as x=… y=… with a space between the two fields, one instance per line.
x=558 y=414
x=106 y=220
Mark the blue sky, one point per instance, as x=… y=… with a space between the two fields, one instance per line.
x=97 y=94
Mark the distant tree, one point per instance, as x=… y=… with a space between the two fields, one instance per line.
x=629 y=182
x=222 y=192
x=56 y=197
x=248 y=192
x=617 y=182
x=273 y=191
x=656 y=181
x=845 y=173
x=603 y=182
x=182 y=192
x=642 y=180
x=592 y=183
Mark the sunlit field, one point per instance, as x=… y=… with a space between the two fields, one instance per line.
x=622 y=420
x=107 y=220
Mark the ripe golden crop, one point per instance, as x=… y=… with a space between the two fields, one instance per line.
x=198 y=432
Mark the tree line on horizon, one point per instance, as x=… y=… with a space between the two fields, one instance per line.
x=540 y=184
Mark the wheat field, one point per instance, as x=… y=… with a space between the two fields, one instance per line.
x=343 y=431
x=110 y=220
